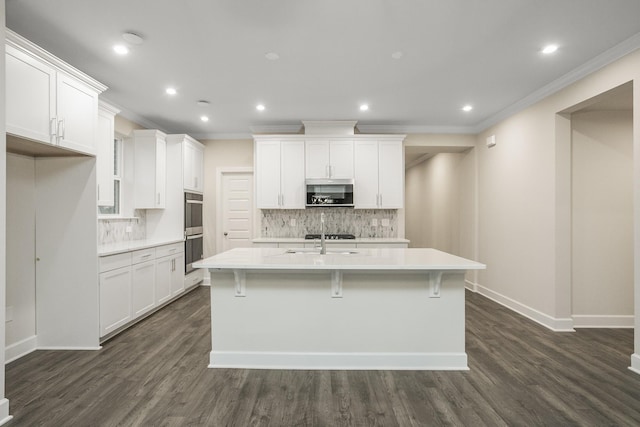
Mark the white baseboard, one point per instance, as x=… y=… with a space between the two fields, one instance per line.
x=603 y=321
x=556 y=325
x=69 y=348
x=339 y=361
x=473 y=287
x=19 y=349
x=4 y=411
x=635 y=363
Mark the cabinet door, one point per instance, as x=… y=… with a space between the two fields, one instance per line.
x=77 y=112
x=317 y=160
x=105 y=158
x=292 y=175
x=143 y=287
x=198 y=169
x=177 y=274
x=365 y=191
x=30 y=97
x=267 y=174
x=163 y=279
x=115 y=299
x=391 y=174
x=341 y=156
x=161 y=173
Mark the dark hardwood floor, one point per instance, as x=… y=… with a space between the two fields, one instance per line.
x=155 y=374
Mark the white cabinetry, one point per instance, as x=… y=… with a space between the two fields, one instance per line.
x=132 y=284
x=279 y=175
x=48 y=100
x=150 y=160
x=105 y=153
x=328 y=158
x=379 y=174
x=193 y=165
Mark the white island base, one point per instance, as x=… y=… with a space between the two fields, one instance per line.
x=337 y=313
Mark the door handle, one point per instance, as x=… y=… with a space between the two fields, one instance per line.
x=225 y=234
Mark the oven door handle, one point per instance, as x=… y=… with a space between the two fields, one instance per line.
x=195 y=236
x=194 y=202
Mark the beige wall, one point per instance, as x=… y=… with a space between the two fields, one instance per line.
x=220 y=153
x=124 y=126
x=602 y=213
x=524 y=193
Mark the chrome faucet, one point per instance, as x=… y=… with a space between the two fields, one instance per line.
x=323 y=244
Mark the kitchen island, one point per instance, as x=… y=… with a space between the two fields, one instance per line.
x=274 y=308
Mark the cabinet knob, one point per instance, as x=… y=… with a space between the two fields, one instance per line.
x=225 y=234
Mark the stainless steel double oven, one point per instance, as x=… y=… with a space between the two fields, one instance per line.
x=193 y=249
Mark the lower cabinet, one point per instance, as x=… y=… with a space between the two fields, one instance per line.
x=143 y=287
x=115 y=299
x=134 y=283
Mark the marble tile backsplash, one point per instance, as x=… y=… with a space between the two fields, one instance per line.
x=114 y=230
x=277 y=222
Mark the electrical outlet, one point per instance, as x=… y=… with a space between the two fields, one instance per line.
x=292 y=222
x=385 y=222
x=374 y=222
x=128 y=229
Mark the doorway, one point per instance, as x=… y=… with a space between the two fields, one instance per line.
x=235 y=209
x=602 y=283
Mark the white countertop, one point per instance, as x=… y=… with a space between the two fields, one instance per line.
x=133 y=245
x=362 y=259
x=356 y=240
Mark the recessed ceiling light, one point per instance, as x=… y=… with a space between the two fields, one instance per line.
x=467 y=108
x=132 y=38
x=397 y=55
x=204 y=118
x=272 y=56
x=171 y=91
x=364 y=107
x=203 y=103
x=550 y=49
x=120 y=49
x=260 y=107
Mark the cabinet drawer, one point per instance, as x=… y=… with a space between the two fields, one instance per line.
x=143 y=255
x=172 y=249
x=111 y=262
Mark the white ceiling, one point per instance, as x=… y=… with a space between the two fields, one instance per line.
x=333 y=56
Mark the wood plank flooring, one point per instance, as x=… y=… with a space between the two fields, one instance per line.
x=155 y=374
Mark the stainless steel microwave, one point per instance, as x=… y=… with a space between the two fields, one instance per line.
x=329 y=192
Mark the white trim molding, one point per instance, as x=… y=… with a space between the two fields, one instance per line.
x=471 y=286
x=339 y=361
x=69 y=348
x=555 y=324
x=603 y=321
x=21 y=348
x=635 y=363
x=4 y=411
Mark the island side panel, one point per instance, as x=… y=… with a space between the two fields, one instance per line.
x=385 y=320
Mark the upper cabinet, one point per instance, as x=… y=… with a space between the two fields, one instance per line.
x=193 y=165
x=279 y=172
x=328 y=158
x=48 y=100
x=150 y=163
x=379 y=173
x=105 y=153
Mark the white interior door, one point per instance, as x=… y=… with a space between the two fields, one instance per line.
x=237 y=210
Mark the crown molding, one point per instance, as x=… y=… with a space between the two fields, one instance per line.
x=411 y=129
x=27 y=47
x=605 y=58
x=103 y=105
x=220 y=136
x=136 y=118
x=275 y=128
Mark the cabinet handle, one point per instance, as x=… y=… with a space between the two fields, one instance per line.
x=61 y=133
x=381 y=200
x=52 y=126
x=98 y=191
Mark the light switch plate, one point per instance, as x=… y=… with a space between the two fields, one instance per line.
x=128 y=229
x=385 y=222
x=374 y=222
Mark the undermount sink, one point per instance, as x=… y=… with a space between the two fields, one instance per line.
x=316 y=251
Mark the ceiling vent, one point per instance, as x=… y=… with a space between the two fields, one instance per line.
x=335 y=127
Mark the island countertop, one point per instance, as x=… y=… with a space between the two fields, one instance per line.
x=360 y=259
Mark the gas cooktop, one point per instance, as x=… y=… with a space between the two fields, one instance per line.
x=330 y=236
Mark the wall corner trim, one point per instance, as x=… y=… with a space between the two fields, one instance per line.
x=635 y=363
